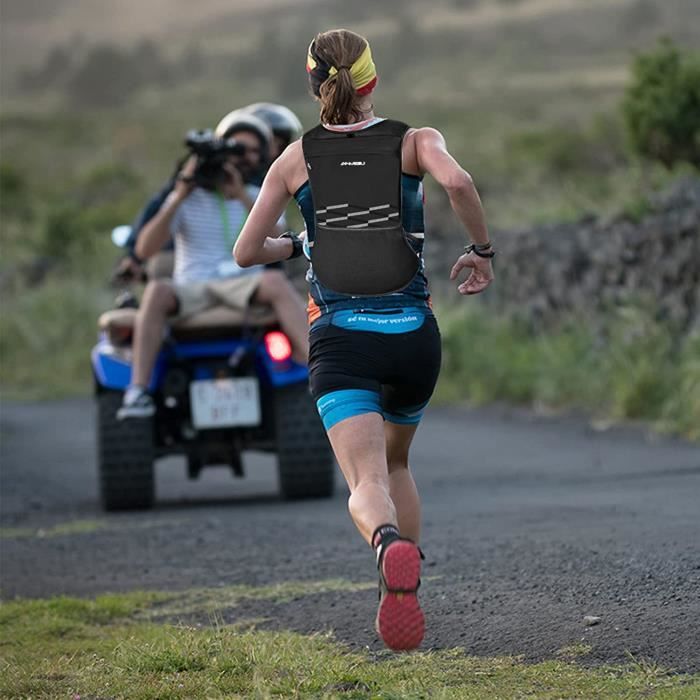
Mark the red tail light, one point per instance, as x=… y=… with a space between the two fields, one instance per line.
x=278 y=346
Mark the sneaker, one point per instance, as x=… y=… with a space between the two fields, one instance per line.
x=400 y=621
x=136 y=404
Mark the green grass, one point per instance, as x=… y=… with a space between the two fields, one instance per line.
x=625 y=365
x=104 y=648
x=211 y=600
x=76 y=527
x=46 y=334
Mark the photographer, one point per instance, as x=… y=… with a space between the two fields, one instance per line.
x=204 y=214
x=285 y=127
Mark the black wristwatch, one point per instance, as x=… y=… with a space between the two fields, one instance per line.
x=483 y=250
x=297 y=244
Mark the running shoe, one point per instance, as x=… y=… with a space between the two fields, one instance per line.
x=136 y=404
x=400 y=621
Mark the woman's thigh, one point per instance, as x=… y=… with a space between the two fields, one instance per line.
x=359 y=446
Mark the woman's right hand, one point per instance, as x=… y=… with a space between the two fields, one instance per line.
x=481 y=273
x=184 y=183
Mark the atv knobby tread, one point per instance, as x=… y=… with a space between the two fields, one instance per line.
x=124 y=456
x=305 y=459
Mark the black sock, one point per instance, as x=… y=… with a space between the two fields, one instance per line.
x=384 y=534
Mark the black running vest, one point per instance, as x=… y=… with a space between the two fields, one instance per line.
x=359 y=247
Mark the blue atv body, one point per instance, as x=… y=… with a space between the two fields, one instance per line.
x=218 y=391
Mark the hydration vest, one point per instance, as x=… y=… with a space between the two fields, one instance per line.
x=359 y=247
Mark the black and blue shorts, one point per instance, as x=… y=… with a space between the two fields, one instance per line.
x=374 y=361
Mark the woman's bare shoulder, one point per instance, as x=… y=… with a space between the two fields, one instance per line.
x=292 y=167
x=414 y=140
x=426 y=135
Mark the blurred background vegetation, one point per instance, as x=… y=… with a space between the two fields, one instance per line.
x=546 y=102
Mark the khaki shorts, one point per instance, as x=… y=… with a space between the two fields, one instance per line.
x=235 y=293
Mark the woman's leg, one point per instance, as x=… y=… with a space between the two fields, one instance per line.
x=360 y=447
x=402 y=488
x=159 y=300
x=359 y=444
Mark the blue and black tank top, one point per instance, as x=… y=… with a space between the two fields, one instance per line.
x=413 y=299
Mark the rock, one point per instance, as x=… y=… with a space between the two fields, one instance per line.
x=591 y=620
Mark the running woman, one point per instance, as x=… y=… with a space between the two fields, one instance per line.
x=374 y=352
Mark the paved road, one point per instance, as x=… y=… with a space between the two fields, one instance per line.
x=530 y=524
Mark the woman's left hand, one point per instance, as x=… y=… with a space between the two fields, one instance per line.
x=481 y=273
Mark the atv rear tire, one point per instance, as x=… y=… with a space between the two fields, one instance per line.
x=305 y=459
x=124 y=457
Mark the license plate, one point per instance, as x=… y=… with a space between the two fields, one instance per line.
x=222 y=403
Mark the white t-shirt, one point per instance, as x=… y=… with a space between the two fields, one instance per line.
x=203 y=242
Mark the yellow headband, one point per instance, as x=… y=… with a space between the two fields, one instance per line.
x=362 y=72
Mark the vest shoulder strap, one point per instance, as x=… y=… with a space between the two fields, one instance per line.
x=386 y=127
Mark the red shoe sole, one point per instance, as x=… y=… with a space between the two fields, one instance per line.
x=400 y=621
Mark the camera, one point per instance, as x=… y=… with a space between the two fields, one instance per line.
x=211 y=153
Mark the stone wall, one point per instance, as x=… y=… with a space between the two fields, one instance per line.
x=586 y=267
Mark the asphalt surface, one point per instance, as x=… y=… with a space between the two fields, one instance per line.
x=531 y=523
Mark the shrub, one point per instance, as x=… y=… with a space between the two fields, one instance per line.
x=661 y=106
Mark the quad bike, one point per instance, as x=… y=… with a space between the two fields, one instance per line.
x=223 y=383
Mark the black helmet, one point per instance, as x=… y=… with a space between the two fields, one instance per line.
x=281 y=120
x=240 y=120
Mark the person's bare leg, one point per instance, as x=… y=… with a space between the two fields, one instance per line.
x=402 y=487
x=360 y=448
x=158 y=302
x=275 y=289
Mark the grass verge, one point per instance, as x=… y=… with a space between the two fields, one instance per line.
x=105 y=648
x=76 y=527
x=625 y=365
x=46 y=335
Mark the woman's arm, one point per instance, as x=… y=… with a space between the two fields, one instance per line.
x=254 y=246
x=432 y=157
x=156 y=231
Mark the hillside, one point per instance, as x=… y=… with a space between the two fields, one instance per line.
x=458 y=49
x=504 y=79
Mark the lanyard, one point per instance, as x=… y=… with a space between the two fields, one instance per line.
x=230 y=238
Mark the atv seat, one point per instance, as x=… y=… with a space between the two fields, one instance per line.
x=217 y=322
